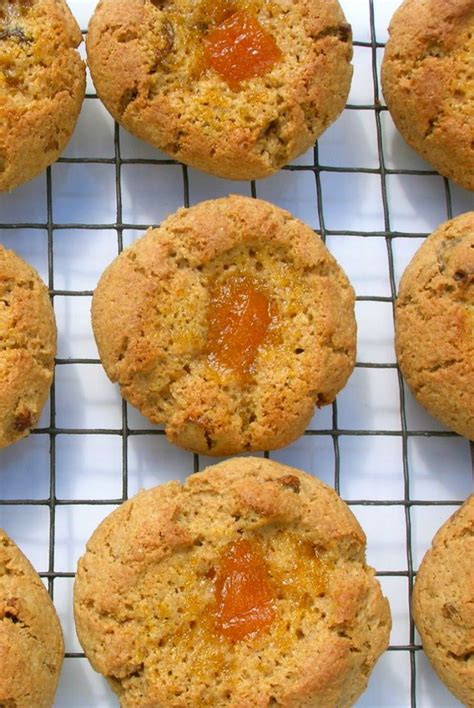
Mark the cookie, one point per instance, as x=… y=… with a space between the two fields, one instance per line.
x=27 y=347
x=228 y=323
x=245 y=586
x=428 y=81
x=435 y=326
x=443 y=603
x=31 y=641
x=237 y=88
x=42 y=85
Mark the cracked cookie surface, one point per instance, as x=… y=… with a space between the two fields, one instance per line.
x=435 y=324
x=155 y=310
x=42 y=85
x=27 y=347
x=443 y=603
x=31 y=641
x=428 y=83
x=150 y=70
x=147 y=593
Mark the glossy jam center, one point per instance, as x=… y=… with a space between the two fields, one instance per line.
x=240 y=48
x=243 y=592
x=239 y=318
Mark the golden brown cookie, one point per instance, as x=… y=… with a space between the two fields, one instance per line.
x=443 y=603
x=246 y=586
x=237 y=88
x=428 y=83
x=227 y=324
x=27 y=347
x=435 y=324
x=42 y=84
x=31 y=641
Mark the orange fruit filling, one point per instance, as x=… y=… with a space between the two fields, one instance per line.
x=239 y=48
x=239 y=319
x=243 y=592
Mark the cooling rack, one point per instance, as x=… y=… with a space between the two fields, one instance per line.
x=373 y=201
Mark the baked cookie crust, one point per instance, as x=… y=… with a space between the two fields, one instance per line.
x=428 y=83
x=443 y=601
x=435 y=326
x=27 y=347
x=146 y=62
x=42 y=85
x=144 y=593
x=31 y=641
x=150 y=314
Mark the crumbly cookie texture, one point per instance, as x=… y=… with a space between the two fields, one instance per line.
x=31 y=641
x=443 y=603
x=144 y=596
x=150 y=316
x=147 y=65
x=42 y=85
x=435 y=324
x=27 y=347
x=428 y=83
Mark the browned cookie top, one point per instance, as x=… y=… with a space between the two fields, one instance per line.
x=27 y=347
x=228 y=324
x=246 y=586
x=435 y=324
x=154 y=66
x=443 y=603
x=428 y=82
x=42 y=84
x=31 y=642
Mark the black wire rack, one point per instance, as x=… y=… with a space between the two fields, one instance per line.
x=125 y=432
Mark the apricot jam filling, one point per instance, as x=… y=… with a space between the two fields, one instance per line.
x=243 y=592
x=249 y=585
x=239 y=48
x=239 y=320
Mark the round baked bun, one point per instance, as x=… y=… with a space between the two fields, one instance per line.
x=428 y=83
x=237 y=88
x=434 y=324
x=443 y=601
x=42 y=85
x=27 y=347
x=31 y=641
x=227 y=324
x=246 y=586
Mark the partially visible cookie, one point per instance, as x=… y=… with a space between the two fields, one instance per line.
x=443 y=603
x=27 y=347
x=237 y=88
x=247 y=586
x=42 y=84
x=428 y=83
x=31 y=641
x=228 y=324
x=435 y=324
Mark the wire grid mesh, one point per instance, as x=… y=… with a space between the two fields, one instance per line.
x=331 y=426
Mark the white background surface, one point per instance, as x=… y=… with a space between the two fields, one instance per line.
x=89 y=466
